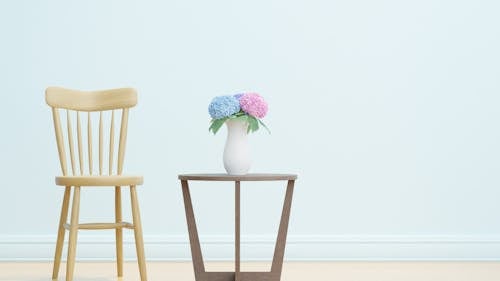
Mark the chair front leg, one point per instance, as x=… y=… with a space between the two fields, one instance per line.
x=73 y=232
x=139 y=242
x=61 y=232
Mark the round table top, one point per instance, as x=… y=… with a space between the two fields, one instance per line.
x=247 y=177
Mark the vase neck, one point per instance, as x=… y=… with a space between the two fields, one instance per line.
x=236 y=127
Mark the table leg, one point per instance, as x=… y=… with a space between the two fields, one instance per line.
x=279 y=249
x=199 y=267
x=237 y=231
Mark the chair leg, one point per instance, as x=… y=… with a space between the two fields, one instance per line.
x=61 y=232
x=139 y=242
x=119 y=231
x=75 y=210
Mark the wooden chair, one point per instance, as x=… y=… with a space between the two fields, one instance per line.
x=84 y=105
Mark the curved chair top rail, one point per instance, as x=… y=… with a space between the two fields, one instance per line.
x=58 y=97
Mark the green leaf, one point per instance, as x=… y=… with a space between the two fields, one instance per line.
x=264 y=125
x=238 y=114
x=243 y=118
x=216 y=124
x=253 y=124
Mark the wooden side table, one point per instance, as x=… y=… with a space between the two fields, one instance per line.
x=279 y=250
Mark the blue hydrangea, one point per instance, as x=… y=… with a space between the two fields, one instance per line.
x=223 y=106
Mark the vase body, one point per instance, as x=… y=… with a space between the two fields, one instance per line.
x=237 y=152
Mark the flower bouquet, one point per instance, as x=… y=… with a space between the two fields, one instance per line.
x=241 y=113
x=246 y=107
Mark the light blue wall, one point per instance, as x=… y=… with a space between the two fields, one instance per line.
x=387 y=110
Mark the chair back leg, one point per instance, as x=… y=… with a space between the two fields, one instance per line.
x=119 y=231
x=139 y=242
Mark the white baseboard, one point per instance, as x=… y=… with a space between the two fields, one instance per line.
x=94 y=247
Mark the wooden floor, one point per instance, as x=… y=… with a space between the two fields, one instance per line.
x=292 y=271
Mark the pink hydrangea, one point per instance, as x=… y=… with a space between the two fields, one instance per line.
x=253 y=104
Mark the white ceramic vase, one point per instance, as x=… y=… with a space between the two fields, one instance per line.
x=237 y=152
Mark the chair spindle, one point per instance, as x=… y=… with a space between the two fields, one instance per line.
x=123 y=138
x=100 y=143
x=70 y=141
x=80 y=142
x=111 y=142
x=59 y=138
x=89 y=134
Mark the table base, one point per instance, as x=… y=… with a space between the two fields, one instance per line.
x=243 y=276
x=279 y=250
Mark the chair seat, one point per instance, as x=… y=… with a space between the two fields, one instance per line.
x=121 y=180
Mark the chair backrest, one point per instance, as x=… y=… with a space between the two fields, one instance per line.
x=94 y=104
